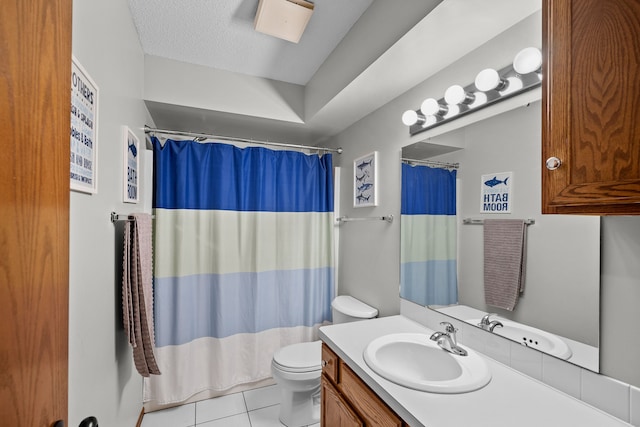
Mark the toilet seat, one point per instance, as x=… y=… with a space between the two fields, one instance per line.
x=299 y=358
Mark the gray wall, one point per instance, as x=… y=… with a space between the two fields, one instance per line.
x=620 y=299
x=102 y=379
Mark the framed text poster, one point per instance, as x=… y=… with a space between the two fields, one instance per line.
x=365 y=180
x=84 y=130
x=496 y=192
x=131 y=178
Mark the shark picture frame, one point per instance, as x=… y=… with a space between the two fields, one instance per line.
x=365 y=181
x=131 y=167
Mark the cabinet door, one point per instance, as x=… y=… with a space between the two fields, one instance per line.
x=591 y=106
x=330 y=363
x=335 y=411
x=374 y=411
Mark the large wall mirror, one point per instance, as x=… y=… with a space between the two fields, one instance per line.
x=561 y=297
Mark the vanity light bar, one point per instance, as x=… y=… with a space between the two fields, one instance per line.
x=489 y=87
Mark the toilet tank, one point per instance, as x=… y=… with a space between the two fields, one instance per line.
x=346 y=308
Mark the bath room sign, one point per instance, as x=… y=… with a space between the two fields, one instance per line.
x=496 y=192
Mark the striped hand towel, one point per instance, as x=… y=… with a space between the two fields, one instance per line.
x=505 y=255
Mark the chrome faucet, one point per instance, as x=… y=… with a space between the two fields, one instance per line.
x=487 y=324
x=447 y=339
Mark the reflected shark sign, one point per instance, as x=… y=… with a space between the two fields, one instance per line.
x=495 y=192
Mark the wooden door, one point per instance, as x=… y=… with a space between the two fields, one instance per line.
x=35 y=67
x=591 y=106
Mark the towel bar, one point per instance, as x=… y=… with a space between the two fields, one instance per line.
x=388 y=218
x=471 y=221
x=121 y=217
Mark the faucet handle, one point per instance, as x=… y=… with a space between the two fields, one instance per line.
x=449 y=328
x=485 y=319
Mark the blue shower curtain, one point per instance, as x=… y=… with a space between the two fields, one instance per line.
x=243 y=261
x=428 y=266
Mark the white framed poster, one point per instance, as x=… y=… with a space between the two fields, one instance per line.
x=365 y=180
x=131 y=169
x=84 y=130
x=496 y=192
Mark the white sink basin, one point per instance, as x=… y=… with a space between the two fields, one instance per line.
x=413 y=360
x=531 y=337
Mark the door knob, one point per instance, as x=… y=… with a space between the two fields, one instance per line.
x=89 y=422
x=553 y=163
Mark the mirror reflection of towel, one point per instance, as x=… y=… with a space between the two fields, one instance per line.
x=505 y=256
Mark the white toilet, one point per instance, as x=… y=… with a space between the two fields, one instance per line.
x=296 y=368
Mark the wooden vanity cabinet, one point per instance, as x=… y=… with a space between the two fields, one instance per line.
x=591 y=106
x=347 y=401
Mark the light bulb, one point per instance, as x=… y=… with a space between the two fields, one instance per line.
x=431 y=107
x=456 y=95
x=429 y=121
x=489 y=79
x=480 y=98
x=410 y=118
x=513 y=85
x=527 y=60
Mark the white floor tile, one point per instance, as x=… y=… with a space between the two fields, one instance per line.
x=266 y=417
x=180 y=416
x=262 y=397
x=220 y=407
x=241 y=420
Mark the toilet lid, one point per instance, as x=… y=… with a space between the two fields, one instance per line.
x=303 y=357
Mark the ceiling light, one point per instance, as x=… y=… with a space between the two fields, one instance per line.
x=489 y=79
x=528 y=60
x=456 y=95
x=431 y=107
x=285 y=19
x=410 y=118
x=513 y=84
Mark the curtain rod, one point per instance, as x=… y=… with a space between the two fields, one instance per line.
x=432 y=163
x=203 y=136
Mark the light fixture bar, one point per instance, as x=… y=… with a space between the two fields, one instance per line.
x=472 y=98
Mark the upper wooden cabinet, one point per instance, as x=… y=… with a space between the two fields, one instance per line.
x=591 y=106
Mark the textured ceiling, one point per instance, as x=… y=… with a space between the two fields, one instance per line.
x=219 y=34
x=354 y=57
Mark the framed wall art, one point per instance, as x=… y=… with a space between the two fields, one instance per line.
x=84 y=130
x=131 y=169
x=365 y=181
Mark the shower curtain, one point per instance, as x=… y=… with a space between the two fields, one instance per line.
x=243 y=262
x=428 y=271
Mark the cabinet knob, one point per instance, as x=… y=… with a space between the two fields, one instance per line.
x=324 y=363
x=553 y=163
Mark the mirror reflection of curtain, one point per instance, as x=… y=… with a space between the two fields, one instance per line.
x=428 y=271
x=243 y=262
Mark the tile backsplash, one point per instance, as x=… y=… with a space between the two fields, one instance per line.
x=607 y=394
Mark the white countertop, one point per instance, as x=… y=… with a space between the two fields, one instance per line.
x=510 y=399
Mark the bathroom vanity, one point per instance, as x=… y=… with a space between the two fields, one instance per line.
x=347 y=400
x=354 y=395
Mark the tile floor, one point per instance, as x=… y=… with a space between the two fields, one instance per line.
x=253 y=408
